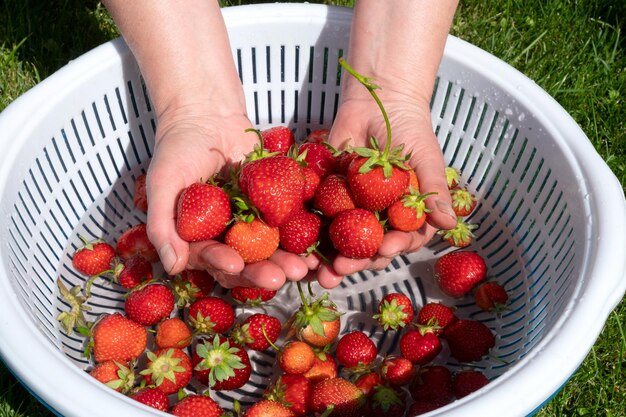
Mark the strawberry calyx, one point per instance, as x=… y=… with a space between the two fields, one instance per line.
x=259 y=150
x=461 y=235
x=462 y=199
x=416 y=201
x=163 y=366
x=201 y=324
x=314 y=312
x=184 y=291
x=392 y=315
x=220 y=358
x=389 y=157
x=384 y=398
x=74 y=318
x=453 y=177
x=126 y=378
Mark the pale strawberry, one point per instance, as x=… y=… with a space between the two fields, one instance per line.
x=457 y=273
x=134 y=241
x=172 y=332
x=203 y=211
x=150 y=304
x=296 y=357
x=255 y=241
x=269 y=408
x=356 y=233
x=140 y=199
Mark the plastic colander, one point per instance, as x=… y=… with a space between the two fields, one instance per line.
x=550 y=212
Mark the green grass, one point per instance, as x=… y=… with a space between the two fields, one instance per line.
x=575 y=50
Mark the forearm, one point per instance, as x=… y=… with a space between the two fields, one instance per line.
x=183 y=51
x=400 y=43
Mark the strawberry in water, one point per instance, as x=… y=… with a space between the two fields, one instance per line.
x=469 y=340
x=295 y=357
x=221 y=364
x=436 y=316
x=356 y=233
x=461 y=236
x=317 y=321
x=168 y=370
x=152 y=397
x=386 y=400
x=278 y=139
x=368 y=381
x=133 y=271
x=191 y=285
x=319 y=158
x=397 y=371
x=197 y=406
x=433 y=384
x=134 y=241
x=255 y=241
x=172 y=333
x=117 y=338
x=211 y=315
x=93 y=258
x=150 y=304
x=339 y=395
x=318 y=136
x=376 y=187
x=251 y=296
x=257 y=331
x=457 y=273
x=202 y=212
x=395 y=311
x=324 y=367
x=409 y=213
x=463 y=202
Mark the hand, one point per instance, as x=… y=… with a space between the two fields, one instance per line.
x=359 y=118
x=193 y=143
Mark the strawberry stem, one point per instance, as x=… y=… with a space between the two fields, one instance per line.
x=365 y=81
x=268 y=339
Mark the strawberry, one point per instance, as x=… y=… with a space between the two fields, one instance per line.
x=114 y=375
x=324 y=367
x=257 y=331
x=150 y=304
x=469 y=340
x=269 y=408
x=211 y=315
x=93 y=258
x=254 y=241
x=134 y=271
x=491 y=296
x=316 y=322
x=461 y=236
x=299 y=234
x=395 y=310
x=140 y=199
x=421 y=407
x=202 y=212
x=409 y=213
x=251 y=296
x=355 y=349
x=342 y=396
x=197 y=406
x=397 y=371
x=333 y=196
x=134 y=241
x=296 y=357
x=458 y=272
x=433 y=384
x=172 y=333
x=373 y=188
x=319 y=158
x=368 y=381
x=419 y=346
x=436 y=316
x=312 y=181
x=221 y=364
x=168 y=369
x=278 y=139
x=152 y=397
x=414 y=184
x=292 y=391
x=356 y=233
x=191 y=285
x=275 y=186
x=118 y=338
x=318 y=136
x=467 y=381
x=388 y=400
x=344 y=159
x=463 y=202
x=453 y=177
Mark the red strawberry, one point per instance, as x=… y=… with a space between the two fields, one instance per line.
x=296 y=357
x=333 y=196
x=319 y=158
x=93 y=258
x=134 y=241
x=345 y=398
x=114 y=375
x=461 y=236
x=344 y=159
x=457 y=273
x=395 y=310
x=421 y=407
x=134 y=271
x=140 y=200
x=292 y=391
x=172 y=332
x=118 y=338
x=211 y=315
x=150 y=304
x=420 y=347
x=152 y=397
x=463 y=202
x=221 y=364
x=202 y=212
x=356 y=233
x=373 y=189
x=469 y=340
x=467 y=381
x=251 y=296
x=254 y=241
x=324 y=367
x=299 y=234
x=269 y=408
x=318 y=136
x=397 y=371
x=433 y=385
x=491 y=296
x=275 y=186
x=355 y=349
x=368 y=382
x=191 y=285
x=387 y=400
x=197 y=406
x=311 y=182
x=168 y=369
x=409 y=213
x=436 y=316
x=256 y=330
x=278 y=139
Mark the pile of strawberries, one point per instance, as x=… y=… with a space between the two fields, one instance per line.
x=177 y=341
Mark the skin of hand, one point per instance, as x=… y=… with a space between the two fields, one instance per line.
x=202 y=118
x=399 y=45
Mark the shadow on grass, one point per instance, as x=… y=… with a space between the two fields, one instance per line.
x=16 y=401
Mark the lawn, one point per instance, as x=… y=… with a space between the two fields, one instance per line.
x=575 y=50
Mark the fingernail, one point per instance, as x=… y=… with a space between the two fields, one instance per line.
x=446 y=208
x=168 y=257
